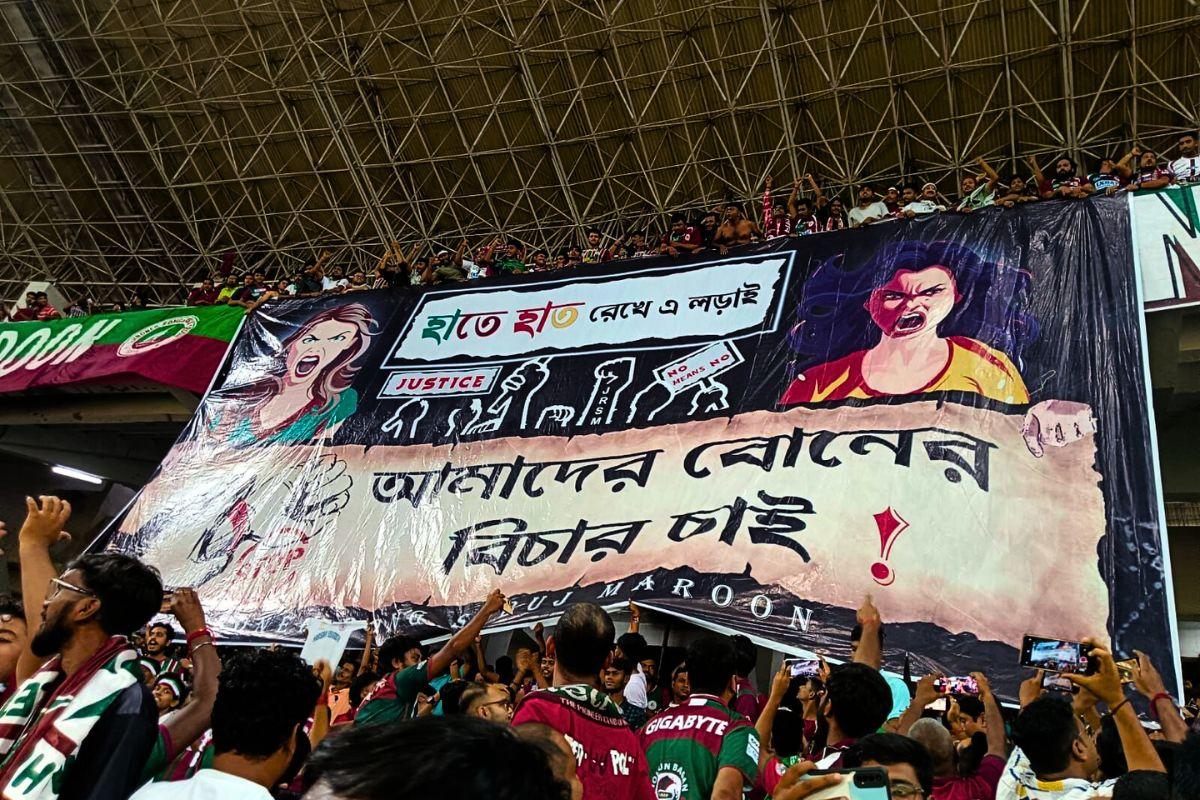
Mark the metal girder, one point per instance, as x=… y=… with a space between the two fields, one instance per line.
x=141 y=140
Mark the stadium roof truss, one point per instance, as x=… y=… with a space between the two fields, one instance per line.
x=144 y=139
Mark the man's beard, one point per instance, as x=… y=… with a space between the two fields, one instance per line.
x=1070 y=173
x=49 y=640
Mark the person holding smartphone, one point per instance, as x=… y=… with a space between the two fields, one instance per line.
x=948 y=784
x=1056 y=756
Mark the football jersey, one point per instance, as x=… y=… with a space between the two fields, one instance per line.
x=611 y=761
x=686 y=746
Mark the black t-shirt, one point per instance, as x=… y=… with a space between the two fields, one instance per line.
x=111 y=758
x=392 y=278
x=309 y=285
x=1105 y=180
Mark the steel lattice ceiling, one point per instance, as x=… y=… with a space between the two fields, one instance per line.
x=141 y=140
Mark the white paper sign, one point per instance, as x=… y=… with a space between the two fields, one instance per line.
x=327 y=640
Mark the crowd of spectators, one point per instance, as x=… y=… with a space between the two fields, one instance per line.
x=100 y=702
x=806 y=210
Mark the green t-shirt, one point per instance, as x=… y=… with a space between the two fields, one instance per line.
x=981 y=197
x=510 y=265
x=394 y=697
x=686 y=746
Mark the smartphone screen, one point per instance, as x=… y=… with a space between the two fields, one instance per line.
x=1057 y=683
x=961 y=684
x=1053 y=655
x=803 y=667
x=1125 y=669
x=941 y=704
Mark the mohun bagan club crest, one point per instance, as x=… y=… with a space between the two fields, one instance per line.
x=160 y=333
x=670 y=782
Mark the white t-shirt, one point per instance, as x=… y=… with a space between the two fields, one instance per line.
x=635 y=689
x=1018 y=781
x=207 y=784
x=1186 y=170
x=920 y=207
x=858 y=213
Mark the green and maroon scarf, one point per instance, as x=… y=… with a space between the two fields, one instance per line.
x=49 y=716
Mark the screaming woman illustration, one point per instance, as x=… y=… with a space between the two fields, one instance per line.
x=924 y=317
x=309 y=394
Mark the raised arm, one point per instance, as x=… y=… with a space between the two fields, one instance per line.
x=791 y=203
x=458 y=253
x=767 y=209
x=635 y=617
x=766 y=720
x=439 y=662
x=611 y=252
x=1123 y=166
x=869 y=650
x=1031 y=688
x=1040 y=178
x=1105 y=686
x=925 y=694
x=1162 y=706
x=992 y=176
x=187 y=724
x=812 y=182
x=481 y=664
x=365 y=662
x=321 y=713
x=993 y=717
x=43 y=527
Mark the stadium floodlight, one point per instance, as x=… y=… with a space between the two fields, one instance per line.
x=77 y=474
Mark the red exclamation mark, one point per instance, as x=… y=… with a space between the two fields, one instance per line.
x=890 y=525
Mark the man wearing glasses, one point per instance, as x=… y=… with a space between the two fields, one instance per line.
x=80 y=724
x=490 y=701
x=908 y=764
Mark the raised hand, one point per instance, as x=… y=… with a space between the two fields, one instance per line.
x=1146 y=678
x=780 y=683
x=1031 y=688
x=867 y=613
x=185 y=606
x=1105 y=683
x=495 y=602
x=324 y=672
x=44 y=521
x=926 y=691
x=794 y=786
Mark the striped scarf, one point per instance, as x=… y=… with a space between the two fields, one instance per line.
x=49 y=716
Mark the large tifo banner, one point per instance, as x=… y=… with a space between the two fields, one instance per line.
x=947 y=413
x=1166 y=231
x=179 y=347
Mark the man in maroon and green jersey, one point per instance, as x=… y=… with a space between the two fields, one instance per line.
x=703 y=749
x=611 y=763
x=394 y=697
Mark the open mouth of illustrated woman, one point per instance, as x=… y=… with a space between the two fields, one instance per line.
x=306 y=365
